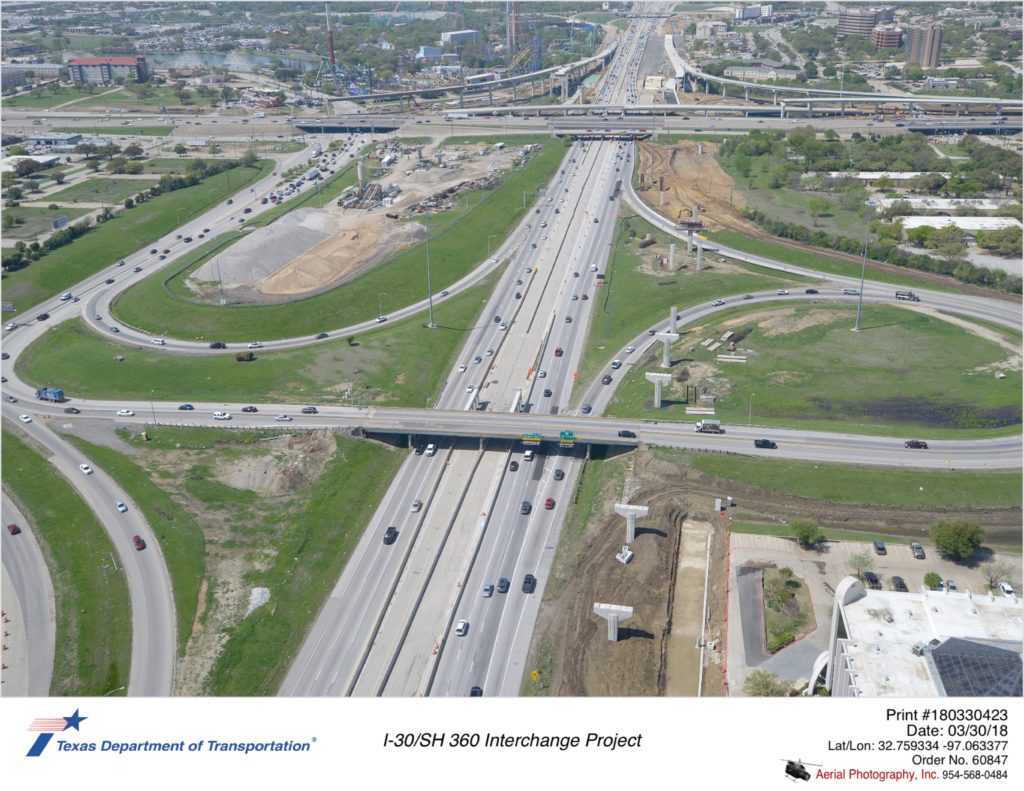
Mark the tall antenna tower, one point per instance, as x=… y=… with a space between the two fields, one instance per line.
x=330 y=47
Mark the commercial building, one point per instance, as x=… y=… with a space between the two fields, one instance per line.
x=760 y=73
x=886 y=37
x=429 y=53
x=459 y=36
x=926 y=644
x=752 y=12
x=103 y=71
x=711 y=28
x=924 y=45
x=856 y=23
x=941 y=83
x=54 y=139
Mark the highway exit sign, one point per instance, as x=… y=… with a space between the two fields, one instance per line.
x=531 y=439
x=567 y=438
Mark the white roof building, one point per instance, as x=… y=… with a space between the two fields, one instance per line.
x=927 y=644
x=963 y=223
x=947 y=204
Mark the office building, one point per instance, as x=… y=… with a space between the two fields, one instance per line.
x=459 y=36
x=103 y=71
x=886 y=37
x=924 y=46
x=856 y=23
x=926 y=644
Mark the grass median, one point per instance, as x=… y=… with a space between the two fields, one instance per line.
x=181 y=540
x=313 y=543
x=93 y=645
x=399 y=364
x=125 y=233
x=905 y=373
x=845 y=483
x=458 y=244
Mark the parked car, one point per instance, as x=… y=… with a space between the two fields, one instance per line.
x=872 y=580
x=917 y=551
x=951 y=586
x=1006 y=588
x=879 y=547
x=898 y=584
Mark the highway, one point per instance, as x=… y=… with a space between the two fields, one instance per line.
x=388 y=627
x=28 y=603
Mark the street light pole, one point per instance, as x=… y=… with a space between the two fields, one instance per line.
x=430 y=293
x=863 y=266
x=490 y=236
x=152 y=408
x=750 y=408
x=380 y=303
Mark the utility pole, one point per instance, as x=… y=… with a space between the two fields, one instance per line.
x=430 y=293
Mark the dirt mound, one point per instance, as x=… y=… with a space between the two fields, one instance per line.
x=288 y=465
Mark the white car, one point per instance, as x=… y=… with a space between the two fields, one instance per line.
x=255 y=345
x=542 y=374
x=120 y=506
x=158 y=341
x=85 y=468
x=462 y=368
x=616 y=363
x=462 y=628
x=630 y=349
x=125 y=413
x=782 y=292
x=222 y=416
x=24 y=418
x=718 y=302
x=416 y=505
x=470 y=388
x=10 y=326
x=503 y=326
x=283 y=418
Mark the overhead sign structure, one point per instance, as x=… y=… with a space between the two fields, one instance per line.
x=567 y=438
x=531 y=439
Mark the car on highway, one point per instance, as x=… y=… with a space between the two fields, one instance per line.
x=616 y=364
x=309 y=410
x=585 y=409
x=115 y=329
x=898 y=584
x=462 y=628
x=574 y=298
x=630 y=349
x=158 y=341
x=782 y=292
x=513 y=466
x=10 y=326
x=584 y=297
x=120 y=506
x=765 y=443
x=547 y=392
x=470 y=388
x=489 y=352
x=810 y=291
x=529 y=583
x=42 y=317
x=137 y=269
x=218 y=345
x=477 y=360
x=13 y=529
x=549 y=504
x=10 y=399
x=283 y=418
x=606 y=379
x=256 y=345
x=568 y=319
x=125 y=413
x=542 y=374
x=250 y=408
x=525 y=507
x=417 y=504
x=72 y=410
x=391 y=535
x=24 y=418
x=558 y=351
x=627 y=434
x=320 y=336
x=139 y=543
x=718 y=303
x=154 y=251
x=916 y=443
x=559 y=474
x=381 y=319
x=488 y=591
x=504 y=585
x=222 y=416
x=162 y=257
x=85 y=468
x=917 y=550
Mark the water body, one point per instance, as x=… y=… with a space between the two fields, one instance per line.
x=236 y=61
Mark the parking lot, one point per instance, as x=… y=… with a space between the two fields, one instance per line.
x=822 y=570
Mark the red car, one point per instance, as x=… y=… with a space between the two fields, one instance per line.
x=558 y=351
x=139 y=543
x=13 y=529
x=549 y=504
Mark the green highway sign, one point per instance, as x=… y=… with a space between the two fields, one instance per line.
x=531 y=439
x=567 y=438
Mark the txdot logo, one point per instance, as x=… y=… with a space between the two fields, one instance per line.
x=50 y=726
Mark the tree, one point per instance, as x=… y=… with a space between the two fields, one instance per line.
x=762 y=684
x=248 y=159
x=180 y=150
x=861 y=563
x=811 y=70
x=932 y=580
x=18 y=151
x=995 y=572
x=59 y=177
x=14 y=193
x=129 y=203
x=808 y=533
x=818 y=207
x=133 y=150
x=958 y=539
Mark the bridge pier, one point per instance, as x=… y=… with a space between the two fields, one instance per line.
x=707 y=89
x=513 y=92
x=775 y=97
x=490 y=96
x=746 y=94
x=462 y=98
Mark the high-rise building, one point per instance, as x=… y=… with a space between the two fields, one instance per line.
x=886 y=37
x=856 y=23
x=924 y=46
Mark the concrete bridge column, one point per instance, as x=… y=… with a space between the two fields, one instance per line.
x=775 y=97
x=746 y=94
x=513 y=92
x=725 y=90
x=707 y=89
x=462 y=98
x=490 y=96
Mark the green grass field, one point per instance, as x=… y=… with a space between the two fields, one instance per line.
x=100 y=189
x=312 y=544
x=632 y=300
x=100 y=131
x=93 y=643
x=822 y=262
x=858 y=484
x=181 y=539
x=127 y=232
x=402 y=279
x=48 y=99
x=162 y=165
x=401 y=364
x=36 y=220
x=893 y=378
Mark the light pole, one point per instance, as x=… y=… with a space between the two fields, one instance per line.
x=177 y=216
x=489 y=237
x=380 y=303
x=430 y=293
x=152 y=408
x=750 y=408
x=864 y=264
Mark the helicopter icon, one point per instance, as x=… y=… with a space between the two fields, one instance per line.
x=796 y=770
